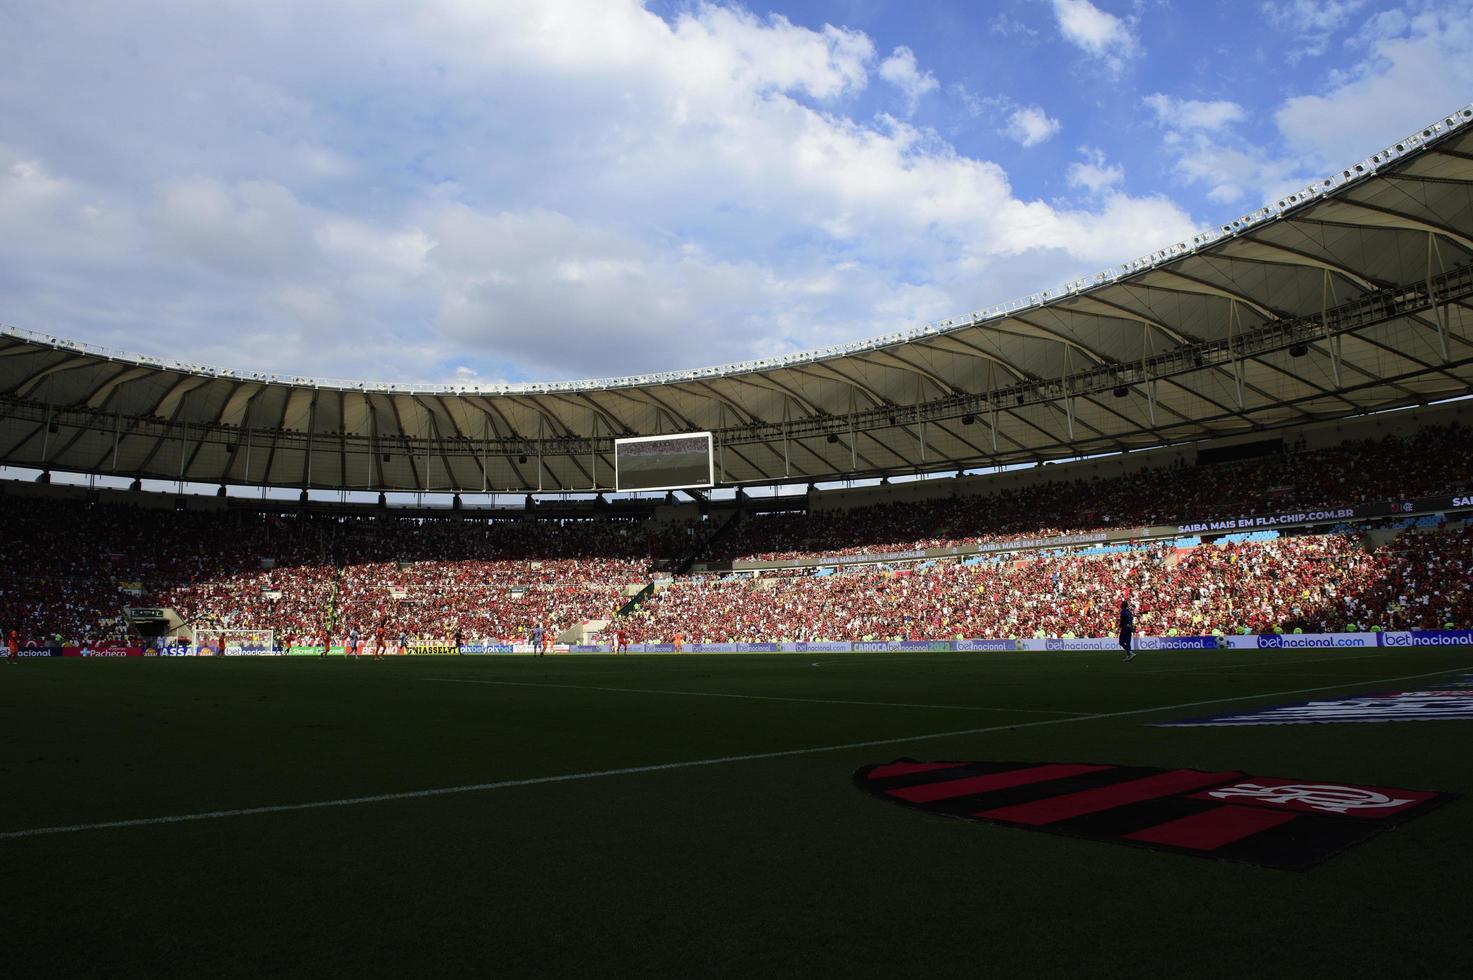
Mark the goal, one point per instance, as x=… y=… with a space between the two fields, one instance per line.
x=237 y=643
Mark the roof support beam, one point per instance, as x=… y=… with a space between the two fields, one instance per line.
x=434 y=430
x=493 y=413
x=972 y=350
x=1438 y=313
x=173 y=418
x=81 y=431
x=1295 y=256
x=125 y=374
x=311 y=437
x=615 y=425
x=1044 y=333
x=908 y=365
x=200 y=444
x=876 y=400
x=176 y=393
x=478 y=459
x=725 y=402
x=742 y=414
x=670 y=412
x=375 y=444
x=1180 y=338
x=782 y=389
x=1183 y=283
x=69 y=364
x=775 y=385
x=1401 y=353
x=1018 y=373
x=1391 y=218
x=419 y=485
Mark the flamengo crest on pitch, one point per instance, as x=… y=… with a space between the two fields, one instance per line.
x=1292 y=824
x=1316 y=797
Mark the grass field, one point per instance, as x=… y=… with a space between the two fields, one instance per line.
x=766 y=860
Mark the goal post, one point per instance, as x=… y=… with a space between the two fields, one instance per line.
x=235 y=643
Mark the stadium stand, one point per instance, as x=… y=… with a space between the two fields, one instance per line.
x=1315 y=583
x=491 y=579
x=1433 y=460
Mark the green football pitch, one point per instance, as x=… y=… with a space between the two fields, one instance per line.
x=692 y=815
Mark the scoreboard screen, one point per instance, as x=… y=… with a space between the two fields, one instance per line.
x=663 y=462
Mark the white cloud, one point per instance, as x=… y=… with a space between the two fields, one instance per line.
x=555 y=189
x=1400 y=82
x=1030 y=126
x=1096 y=32
x=250 y=229
x=1183 y=114
x=1007 y=26
x=1200 y=137
x=1236 y=173
x=1405 y=80
x=45 y=217
x=1313 y=23
x=900 y=70
x=1094 y=174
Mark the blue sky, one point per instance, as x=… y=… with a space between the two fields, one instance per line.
x=468 y=190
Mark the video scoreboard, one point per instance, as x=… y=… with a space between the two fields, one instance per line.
x=675 y=462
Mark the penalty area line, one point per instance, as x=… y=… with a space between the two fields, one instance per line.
x=420 y=794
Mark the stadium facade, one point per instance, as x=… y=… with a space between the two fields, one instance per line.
x=1353 y=294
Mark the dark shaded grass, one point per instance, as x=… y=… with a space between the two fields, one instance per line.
x=772 y=866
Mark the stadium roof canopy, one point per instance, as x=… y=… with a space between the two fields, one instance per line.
x=1355 y=293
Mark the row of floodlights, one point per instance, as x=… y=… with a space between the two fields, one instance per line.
x=1290 y=202
x=1311 y=192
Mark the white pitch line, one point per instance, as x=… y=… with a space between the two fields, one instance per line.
x=666 y=766
x=745 y=697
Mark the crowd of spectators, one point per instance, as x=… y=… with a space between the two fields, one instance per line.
x=482 y=600
x=71 y=566
x=1313 y=583
x=74 y=566
x=1435 y=460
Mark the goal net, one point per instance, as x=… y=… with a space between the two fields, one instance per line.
x=235 y=643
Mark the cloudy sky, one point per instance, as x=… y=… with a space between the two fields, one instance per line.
x=483 y=190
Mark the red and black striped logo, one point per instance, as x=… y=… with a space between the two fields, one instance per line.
x=1291 y=824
